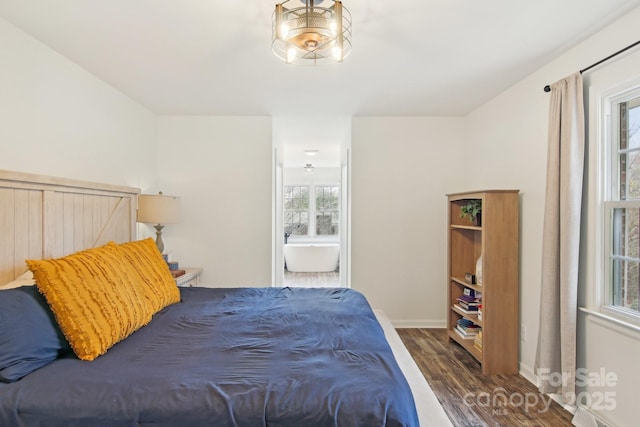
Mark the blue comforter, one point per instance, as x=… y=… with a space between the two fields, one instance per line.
x=229 y=357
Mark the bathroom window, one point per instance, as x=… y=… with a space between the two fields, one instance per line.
x=296 y=210
x=622 y=207
x=327 y=212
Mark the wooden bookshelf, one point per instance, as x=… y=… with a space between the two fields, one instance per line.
x=497 y=239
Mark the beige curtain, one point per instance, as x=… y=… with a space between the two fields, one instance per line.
x=556 y=353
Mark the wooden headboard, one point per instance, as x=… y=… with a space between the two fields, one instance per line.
x=48 y=217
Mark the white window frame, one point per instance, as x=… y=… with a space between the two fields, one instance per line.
x=308 y=210
x=311 y=229
x=609 y=175
x=315 y=209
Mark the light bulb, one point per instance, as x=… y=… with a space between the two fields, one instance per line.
x=291 y=54
x=284 y=30
x=337 y=53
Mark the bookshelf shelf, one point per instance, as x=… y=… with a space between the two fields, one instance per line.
x=466 y=227
x=497 y=240
x=477 y=288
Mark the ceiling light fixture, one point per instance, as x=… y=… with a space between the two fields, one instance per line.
x=310 y=152
x=305 y=31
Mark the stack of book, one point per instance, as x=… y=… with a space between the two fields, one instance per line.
x=467 y=329
x=477 y=342
x=177 y=273
x=469 y=301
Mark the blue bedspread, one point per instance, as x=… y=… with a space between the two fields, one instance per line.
x=229 y=357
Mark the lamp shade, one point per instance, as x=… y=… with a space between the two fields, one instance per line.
x=158 y=209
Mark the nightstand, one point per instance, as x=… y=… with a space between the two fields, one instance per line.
x=190 y=278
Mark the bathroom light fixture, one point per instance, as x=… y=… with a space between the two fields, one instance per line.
x=308 y=30
x=308 y=168
x=310 y=152
x=159 y=210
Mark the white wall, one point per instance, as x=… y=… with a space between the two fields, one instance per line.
x=57 y=119
x=320 y=176
x=506 y=145
x=401 y=170
x=221 y=169
x=506 y=148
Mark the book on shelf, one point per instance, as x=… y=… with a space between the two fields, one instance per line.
x=468 y=299
x=465 y=311
x=468 y=329
x=471 y=294
x=467 y=324
x=471 y=306
x=477 y=341
x=464 y=335
x=467 y=332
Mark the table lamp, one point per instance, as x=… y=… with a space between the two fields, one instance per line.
x=158 y=210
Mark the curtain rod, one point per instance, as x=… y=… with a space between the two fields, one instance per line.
x=547 y=88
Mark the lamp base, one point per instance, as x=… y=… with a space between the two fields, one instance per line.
x=159 y=242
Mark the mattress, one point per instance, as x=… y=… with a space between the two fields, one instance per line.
x=229 y=357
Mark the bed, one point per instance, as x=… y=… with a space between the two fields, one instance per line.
x=210 y=356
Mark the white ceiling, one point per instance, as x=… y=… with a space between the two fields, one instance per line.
x=325 y=156
x=410 y=57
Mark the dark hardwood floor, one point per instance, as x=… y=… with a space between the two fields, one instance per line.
x=472 y=399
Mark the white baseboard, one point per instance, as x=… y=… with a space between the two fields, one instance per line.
x=527 y=372
x=585 y=418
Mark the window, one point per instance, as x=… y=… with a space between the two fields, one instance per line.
x=312 y=210
x=622 y=206
x=327 y=210
x=296 y=210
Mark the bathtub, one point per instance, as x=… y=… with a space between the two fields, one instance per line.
x=311 y=257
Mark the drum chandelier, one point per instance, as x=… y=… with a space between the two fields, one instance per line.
x=311 y=31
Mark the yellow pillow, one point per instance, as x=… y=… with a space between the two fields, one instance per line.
x=151 y=273
x=93 y=298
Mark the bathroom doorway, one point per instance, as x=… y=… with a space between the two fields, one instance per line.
x=311 y=225
x=311 y=213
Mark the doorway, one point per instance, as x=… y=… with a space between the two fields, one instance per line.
x=311 y=213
